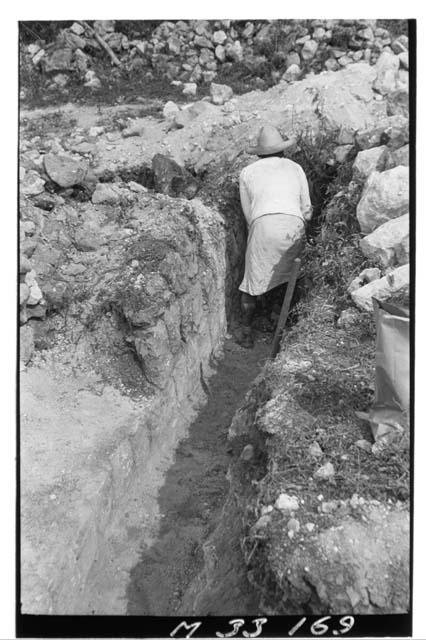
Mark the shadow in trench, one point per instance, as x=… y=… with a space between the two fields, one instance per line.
x=194 y=490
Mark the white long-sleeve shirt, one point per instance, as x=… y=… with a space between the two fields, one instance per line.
x=274 y=185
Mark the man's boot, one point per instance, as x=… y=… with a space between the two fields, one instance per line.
x=248 y=306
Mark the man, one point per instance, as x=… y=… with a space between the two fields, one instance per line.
x=275 y=200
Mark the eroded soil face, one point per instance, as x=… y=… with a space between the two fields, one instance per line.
x=193 y=494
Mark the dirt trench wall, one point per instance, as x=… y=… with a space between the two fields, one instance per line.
x=104 y=405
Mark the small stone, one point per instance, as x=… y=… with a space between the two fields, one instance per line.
x=220 y=53
x=219 y=37
x=309 y=49
x=293 y=525
x=35 y=295
x=234 y=51
x=315 y=450
x=329 y=507
x=96 y=131
x=285 y=502
x=342 y=151
x=136 y=187
x=189 y=89
x=134 y=129
x=76 y=28
x=92 y=80
x=106 y=194
x=32 y=184
x=364 y=445
x=170 y=110
x=292 y=73
x=220 y=93
x=326 y=472
x=247 y=453
x=262 y=523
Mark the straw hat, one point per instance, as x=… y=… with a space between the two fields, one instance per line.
x=270 y=141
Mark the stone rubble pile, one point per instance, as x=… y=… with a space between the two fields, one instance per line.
x=195 y=51
x=383 y=211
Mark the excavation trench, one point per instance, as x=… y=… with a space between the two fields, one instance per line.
x=193 y=494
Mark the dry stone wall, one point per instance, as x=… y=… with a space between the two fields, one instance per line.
x=196 y=51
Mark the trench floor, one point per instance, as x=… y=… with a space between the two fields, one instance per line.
x=194 y=491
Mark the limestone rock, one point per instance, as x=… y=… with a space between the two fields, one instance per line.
x=169 y=177
x=396 y=131
x=387 y=69
x=400 y=157
x=292 y=73
x=189 y=89
x=32 y=184
x=326 y=472
x=292 y=58
x=59 y=60
x=372 y=136
x=219 y=37
x=220 y=93
x=395 y=282
x=170 y=109
x=91 y=80
x=234 y=51
x=389 y=243
x=106 y=194
x=35 y=295
x=309 y=49
x=24 y=293
x=220 y=53
x=385 y=196
x=285 y=502
x=136 y=128
x=65 y=171
x=370 y=160
x=367 y=275
x=342 y=151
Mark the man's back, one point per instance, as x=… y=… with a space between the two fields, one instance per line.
x=274 y=185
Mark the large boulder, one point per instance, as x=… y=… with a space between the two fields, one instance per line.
x=346 y=100
x=389 y=243
x=387 y=67
x=385 y=196
x=401 y=156
x=395 y=282
x=171 y=178
x=370 y=160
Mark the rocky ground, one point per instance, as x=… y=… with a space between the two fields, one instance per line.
x=132 y=246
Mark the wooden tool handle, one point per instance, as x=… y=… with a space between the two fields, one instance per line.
x=285 y=307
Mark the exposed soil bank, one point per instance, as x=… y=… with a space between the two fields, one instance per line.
x=193 y=494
